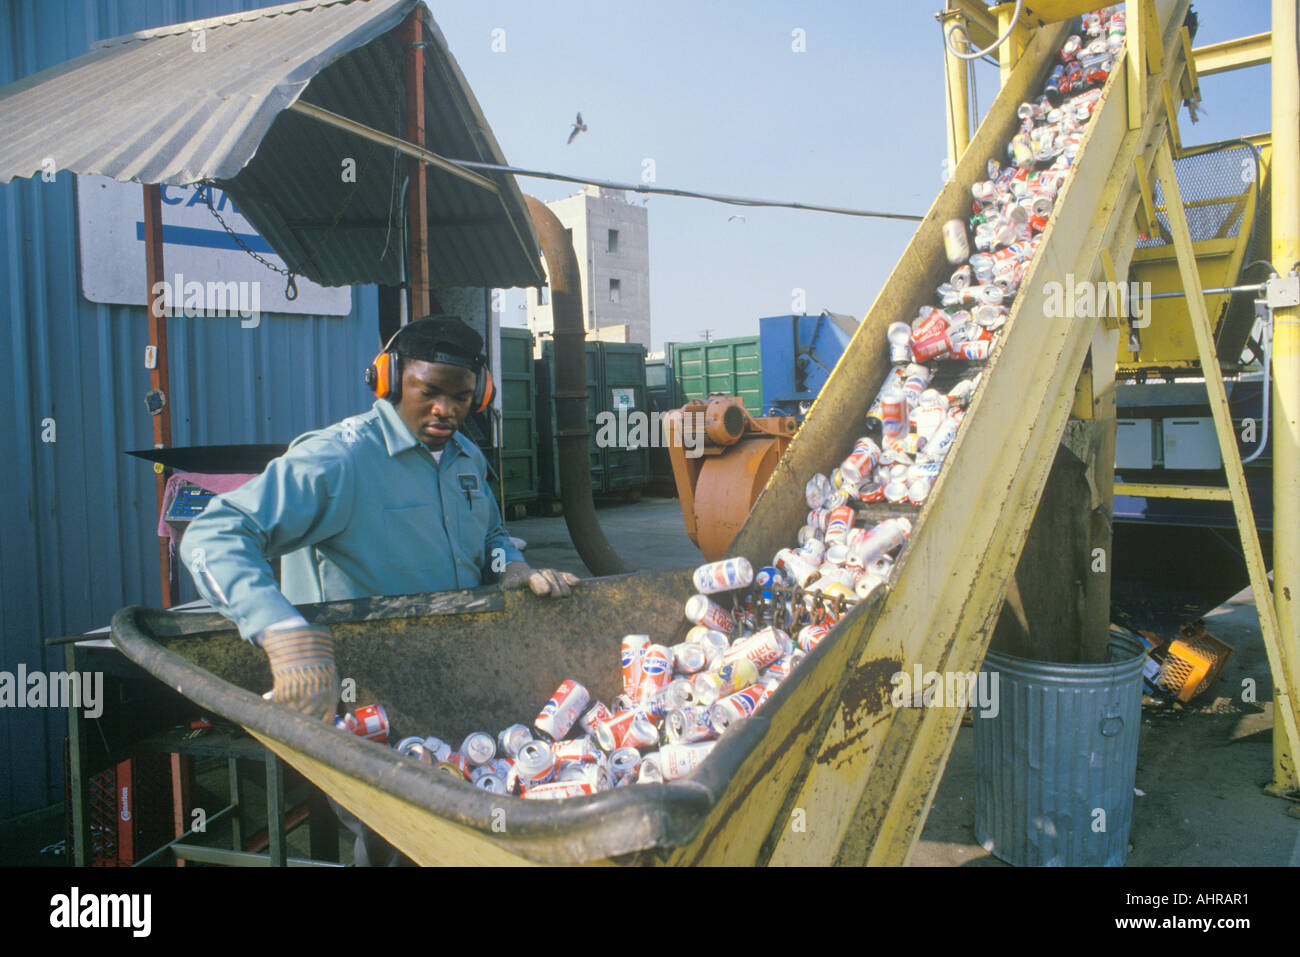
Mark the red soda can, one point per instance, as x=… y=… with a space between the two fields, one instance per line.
x=862 y=461
x=633 y=648
x=597 y=713
x=839 y=523
x=656 y=671
x=534 y=764
x=701 y=611
x=459 y=762
x=580 y=749
x=560 y=713
x=762 y=648
x=626 y=729
x=558 y=790
x=781 y=668
x=371 y=722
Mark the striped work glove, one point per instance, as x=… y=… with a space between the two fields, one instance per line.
x=302 y=667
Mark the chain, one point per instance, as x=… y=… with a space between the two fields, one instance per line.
x=291 y=284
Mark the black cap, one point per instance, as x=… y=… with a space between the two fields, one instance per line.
x=446 y=339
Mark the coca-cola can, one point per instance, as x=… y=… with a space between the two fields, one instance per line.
x=561 y=712
x=702 y=611
x=371 y=722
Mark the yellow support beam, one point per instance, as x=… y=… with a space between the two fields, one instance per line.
x=1199 y=493
x=1136 y=61
x=1282 y=656
x=1146 y=211
x=1286 y=366
x=980 y=24
x=1054 y=11
x=1233 y=54
x=956 y=73
x=1013 y=48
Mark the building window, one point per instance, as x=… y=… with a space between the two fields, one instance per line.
x=614 y=288
x=613 y=241
x=543 y=296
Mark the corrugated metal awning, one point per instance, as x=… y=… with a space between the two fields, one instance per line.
x=208 y=101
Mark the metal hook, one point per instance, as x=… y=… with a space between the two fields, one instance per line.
x=291 y=288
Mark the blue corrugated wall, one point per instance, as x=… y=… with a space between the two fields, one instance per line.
x=77 y=515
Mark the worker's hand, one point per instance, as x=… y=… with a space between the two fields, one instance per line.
x=547 y=581
x=302 y=667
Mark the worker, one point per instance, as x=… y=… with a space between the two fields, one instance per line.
x=391 y=502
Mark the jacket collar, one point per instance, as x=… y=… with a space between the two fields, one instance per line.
x=398 y=438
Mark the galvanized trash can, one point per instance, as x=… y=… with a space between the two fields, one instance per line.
x=1054 y=767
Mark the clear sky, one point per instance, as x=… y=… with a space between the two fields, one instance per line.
x=717 y=96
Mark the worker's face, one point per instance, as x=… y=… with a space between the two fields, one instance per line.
x=435 y=400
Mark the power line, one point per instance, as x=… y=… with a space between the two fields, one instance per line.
x=690 y=194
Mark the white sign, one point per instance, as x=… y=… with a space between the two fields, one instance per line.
x=623 y=398
x=200 y=259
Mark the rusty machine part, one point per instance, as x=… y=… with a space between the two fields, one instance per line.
x=572 y=433
x=722 y=458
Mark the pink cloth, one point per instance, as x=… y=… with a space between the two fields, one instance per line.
x=214 y=482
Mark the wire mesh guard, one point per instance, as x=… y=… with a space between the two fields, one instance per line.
x=1215 y=188
x=1193 y=661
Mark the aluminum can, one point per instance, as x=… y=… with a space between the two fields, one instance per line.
x=595 y=714
x=736 y=707
x=812 y=550
x=584 y=750
x=900 y=345
x=560 y=713
x=708 y=638
x=937 y=447
x=651 y=770
x=730 y=678
x=810 y=636
x=414 y=748
x=919 y=490
x=627 y=729
x=762 y=648
x=861 y=462
x=798 y=568
x=479 y=747
x=679 y=760
x=371 y=722
x=704 y=612
x=656 y=671
x=929 y=341
x=867 y=584
x=726 y=575
x=438 y=747
x=884 y=537
x=839 y=523
x=659 y=703
x=624 y=763
x=453 y=768
x=781 y=668
x=492 y=783
x=534 y=764
x=512 y=739
x=558 y=790
x=596 y=775
x=459 y=762
x=956 y=246
x=688 y=658
x=975 y=350
x=688 y=725
x=632 y=648
x=817 y=490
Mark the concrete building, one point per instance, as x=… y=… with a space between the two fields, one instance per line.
x=611 y=239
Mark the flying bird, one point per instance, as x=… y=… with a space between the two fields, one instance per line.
x=736 y=218
x=578 y=127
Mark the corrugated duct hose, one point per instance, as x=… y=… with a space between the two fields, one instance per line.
x=571 y=433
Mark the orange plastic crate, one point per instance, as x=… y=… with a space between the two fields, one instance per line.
x=1193 y=661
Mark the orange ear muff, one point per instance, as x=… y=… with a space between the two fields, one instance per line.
x=484 y=391
x=381 y=375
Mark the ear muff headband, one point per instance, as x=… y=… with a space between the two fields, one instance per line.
x=382 y=378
